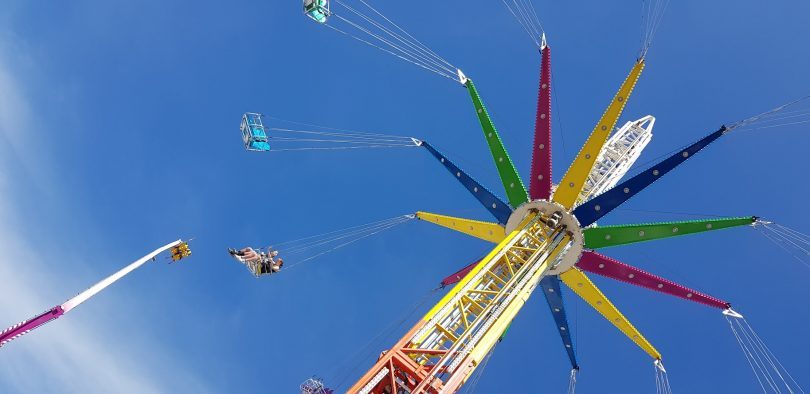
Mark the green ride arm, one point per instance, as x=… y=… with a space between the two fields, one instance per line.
x=515 y=190
x=607 y=236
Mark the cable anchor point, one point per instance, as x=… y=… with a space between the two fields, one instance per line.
x=732 y=313
x=461 y=77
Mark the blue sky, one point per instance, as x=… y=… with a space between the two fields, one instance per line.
x=119 y=133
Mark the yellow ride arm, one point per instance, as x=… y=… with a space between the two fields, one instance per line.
x=577 y=281
x=574 y=179
x=487 y=231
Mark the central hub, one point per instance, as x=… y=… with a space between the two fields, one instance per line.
x=561 y=217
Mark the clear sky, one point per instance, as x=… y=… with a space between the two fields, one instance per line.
x=119 y=133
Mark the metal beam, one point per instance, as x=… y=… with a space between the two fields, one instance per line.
x=607 y=236
x=492 y=232
x=601 y=205
x=602 y=265
x=579 y=282
x=515 y=190
x=574 y=180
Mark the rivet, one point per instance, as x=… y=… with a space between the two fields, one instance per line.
x=601 y=265
x=579 y=284
x=490 y=134
x=631 y=276
x=562 y=328
x=660 y=285
x=512 y=184
x=598 y=302
x=587 y=155
x=621 y=98
x=475 y=189
x=442 y=160
x=597 y=208
x=688 y=295
x=635 y=336
x=616 y=320
x=570 y=184
x=550 y=290
x=542 y=116
x=674 y=229
x=626 y=190
x=604 y=128
x=545 y=86
x=655 y=172
x=556 y=309
x=607 y=236
x=685 y=154
x=641 y=233
x=493 y=205
x=542 y=146
x=540 y=177
x=567 y=345
x=480 y=109
x=709 y=225
x=458 y=174
x=500 y=159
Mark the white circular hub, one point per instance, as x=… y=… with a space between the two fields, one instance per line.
x=569 y=256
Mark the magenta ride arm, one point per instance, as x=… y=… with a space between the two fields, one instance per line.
x=24 y=327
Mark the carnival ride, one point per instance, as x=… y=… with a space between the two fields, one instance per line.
x=545 y=235
x=178 y=250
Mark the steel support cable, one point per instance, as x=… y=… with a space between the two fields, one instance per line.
x=799 y=235
x=358 y=234
x=419 y=53
x=758 y=347
x=341 y=245
x=346 y=131
x=779 y=244
x=768 y=350
x=525 y=28
x=756 y=118
x=792 y=239
x=758 y=359
x=525 y=15
x=654 y=17
x=342 y=148
x=419 y=43
x=746 y=353
x=404 y=53
x=388 y=51
x=363 y=351
x=337 y=231
x=293 y=139
x=337 y=236
x=380 y=137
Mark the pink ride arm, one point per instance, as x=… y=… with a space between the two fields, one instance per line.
x=605 y=266
x=24 y=327
x=540 y=179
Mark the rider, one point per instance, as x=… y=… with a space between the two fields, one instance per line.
x=260 y=263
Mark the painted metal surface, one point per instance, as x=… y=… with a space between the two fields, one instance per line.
x=497 y=207
x=492 y=232
x=574 y=180
x=602 y=265
x=607 y=236
x=551 y=289
x=601 y=205
x=515 y=190
x=540 y=177
x=458 y=275
x=26 y=326
x=443 y=349
x=580 y=284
